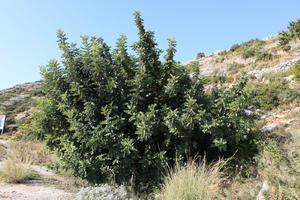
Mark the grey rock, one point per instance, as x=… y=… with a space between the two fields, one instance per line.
x=268 y=129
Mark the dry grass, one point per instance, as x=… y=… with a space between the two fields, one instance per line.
x=20 y=155
x=195 y=181
x=2 y=152
x=14 y=171
x=34 y=152
x=71 y=183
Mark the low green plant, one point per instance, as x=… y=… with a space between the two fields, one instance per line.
x=264 y=56
x=268 y=96
x=248 y=53
x=295 y=70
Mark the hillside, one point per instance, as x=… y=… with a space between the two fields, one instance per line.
x=15 y=102
x=256 y=57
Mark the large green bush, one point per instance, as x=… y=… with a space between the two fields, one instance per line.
x=110 y=115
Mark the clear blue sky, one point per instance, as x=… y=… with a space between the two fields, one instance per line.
x=28 y=27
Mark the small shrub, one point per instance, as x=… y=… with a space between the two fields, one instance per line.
x=264 y=56
x=284 y=38
x=193 y=181
x=200 y=55
x=268 y=96
x=248 y=53
x=253 y=43
x=293 y=33
x=234 y=47
x=103 y=192
x=295 y=70
x=14 y=171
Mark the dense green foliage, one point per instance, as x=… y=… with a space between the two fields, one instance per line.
x=110 y=115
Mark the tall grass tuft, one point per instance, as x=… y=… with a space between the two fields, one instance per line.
x=194 y=181
x=21 y=155
x=14 y=171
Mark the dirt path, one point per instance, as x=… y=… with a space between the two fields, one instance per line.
x=33 y=189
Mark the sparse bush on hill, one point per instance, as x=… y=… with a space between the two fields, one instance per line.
x=252 y=48
x=284 y=38
x=295 y=70
x=110 y=115
x=200 y=55
x=248 y=53
x=268 y=96
x=264 y=56
x=234 y=47
x=293 y=33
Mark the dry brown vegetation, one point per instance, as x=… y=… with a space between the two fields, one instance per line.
x=193 y=181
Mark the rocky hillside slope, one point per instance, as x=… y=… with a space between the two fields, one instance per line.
x=16 y=102
x=256 y=57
